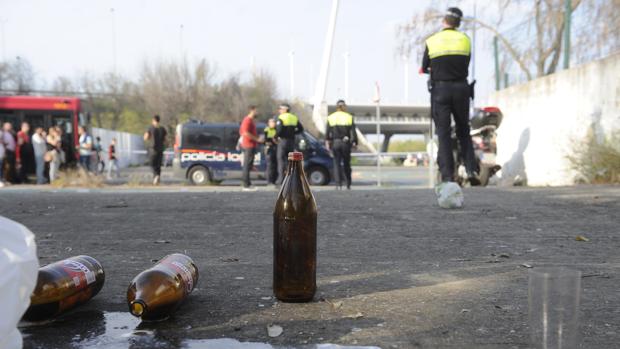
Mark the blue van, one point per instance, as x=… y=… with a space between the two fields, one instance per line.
x=207 y=152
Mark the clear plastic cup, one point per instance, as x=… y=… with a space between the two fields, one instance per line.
x=553 y=296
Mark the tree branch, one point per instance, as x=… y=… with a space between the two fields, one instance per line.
x=511 y=50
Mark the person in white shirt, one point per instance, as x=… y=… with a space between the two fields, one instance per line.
x=85 y=148
x=39 y=144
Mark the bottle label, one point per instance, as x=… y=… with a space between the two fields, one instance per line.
x=81 y=275
x=186 y=275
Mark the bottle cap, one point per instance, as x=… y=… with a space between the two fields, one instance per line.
x=296 y=156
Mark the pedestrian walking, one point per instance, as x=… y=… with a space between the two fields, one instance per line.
x=446 y=58
x=54 y=153
x=271 y=156
x=112 y=160
x=99 y=155
x=2 y=154
x=10 y=155
x=249 y=141
x=287 y=126
x=24 y=153
x=39 y=145
x=157 y=135
x=341 y=137
x=85 y=148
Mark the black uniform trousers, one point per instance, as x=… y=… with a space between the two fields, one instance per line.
x=285 y=146
x=451 y=98
x=342 y=162
x=271 y=157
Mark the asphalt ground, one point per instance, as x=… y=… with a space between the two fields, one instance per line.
x=394 y=269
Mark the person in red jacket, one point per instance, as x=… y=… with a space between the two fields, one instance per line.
x=249 y=141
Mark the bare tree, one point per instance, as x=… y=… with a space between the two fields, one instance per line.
x=17 y=75
x=534 y=45
x=63 y=85
x=261 y=91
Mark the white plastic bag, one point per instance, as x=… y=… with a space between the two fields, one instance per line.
x=19 y=267
x=449 y=195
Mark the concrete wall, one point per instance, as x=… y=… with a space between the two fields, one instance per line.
x=545 y=117
x=130 y=149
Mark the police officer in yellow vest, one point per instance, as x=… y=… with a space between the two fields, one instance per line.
x=446 y=58
x=271 y=173
x=340 y=137
x=287 y=126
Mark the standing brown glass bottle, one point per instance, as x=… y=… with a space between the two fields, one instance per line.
x=64 y=285
x=294 y=236
x=157 y=292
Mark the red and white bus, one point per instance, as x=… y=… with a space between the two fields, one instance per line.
x=45 y=112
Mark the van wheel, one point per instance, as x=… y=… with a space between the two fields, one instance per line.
x=199 y=175
x=318 y=175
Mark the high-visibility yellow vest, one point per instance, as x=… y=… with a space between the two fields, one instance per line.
x=340 y=118
x=448 y=43
x=288 y=119
x=271 y=132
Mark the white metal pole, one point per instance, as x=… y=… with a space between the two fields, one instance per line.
x=321 y=83
x=431 y=157
x=291 y=63
x=377 y=100
x=346 y=76
x=473 y=46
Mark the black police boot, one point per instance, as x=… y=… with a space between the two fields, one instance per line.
x=474 y=179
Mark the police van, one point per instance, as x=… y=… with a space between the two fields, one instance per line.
x=208 y=152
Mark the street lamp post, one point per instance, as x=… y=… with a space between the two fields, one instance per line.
x=181 y=42
x=406 y=78
x=346 y=75
x=291 y=61
x=113 y=40
x=2 y=23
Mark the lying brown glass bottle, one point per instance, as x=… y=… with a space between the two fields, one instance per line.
x=294 y=236
x=64 y=285
x=157 y=292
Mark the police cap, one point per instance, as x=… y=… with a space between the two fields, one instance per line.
x=454 y=12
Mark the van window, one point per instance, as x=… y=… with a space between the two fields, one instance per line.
x=231 y=138
x=203 y=138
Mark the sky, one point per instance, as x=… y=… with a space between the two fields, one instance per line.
x=70 y=37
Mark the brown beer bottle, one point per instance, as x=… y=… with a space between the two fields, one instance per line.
x=157 y=292
x=294 y=236
x=64 y=285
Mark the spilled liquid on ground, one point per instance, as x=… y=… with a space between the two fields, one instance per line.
x=120 y=330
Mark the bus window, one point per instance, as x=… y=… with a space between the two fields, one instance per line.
x=34 y=120
x=63 y=121
x=9 y=117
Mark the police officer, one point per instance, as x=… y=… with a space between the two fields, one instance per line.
x=340 y=137
x=287 y=126
x=271 y=173
x=446 y=58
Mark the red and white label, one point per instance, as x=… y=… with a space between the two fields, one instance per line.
x=186 y=275
x=81 y=275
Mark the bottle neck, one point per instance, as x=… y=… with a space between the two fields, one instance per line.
x=294 y=166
